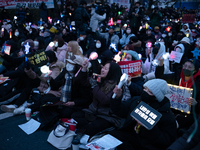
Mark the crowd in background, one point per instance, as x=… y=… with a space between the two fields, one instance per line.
x=110 y=31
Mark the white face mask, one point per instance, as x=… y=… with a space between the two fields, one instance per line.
x=148 y=32
x=164 y=35
x=98 y=45
x=30 y=32
x=36 y=43
x=169 y=34
x=81 y=38
x=4 y=23
x=69 y=67
x=16 y=33
x=128 y=31
x=56 y=44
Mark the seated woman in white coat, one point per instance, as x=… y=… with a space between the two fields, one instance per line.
x=149 y=66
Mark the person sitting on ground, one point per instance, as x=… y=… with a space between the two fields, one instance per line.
x=190 y=69
x=98 y=116
x=133 y=134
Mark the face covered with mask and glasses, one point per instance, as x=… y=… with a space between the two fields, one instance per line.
x=188 y=69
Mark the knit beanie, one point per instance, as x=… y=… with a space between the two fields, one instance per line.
x=158 y=87
x=133 y=54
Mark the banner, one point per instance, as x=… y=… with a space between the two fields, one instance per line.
x=179 y=97
x=38 y=58
x=188 y=18
x=146 y=115
x=15 y=4
x=132 y=68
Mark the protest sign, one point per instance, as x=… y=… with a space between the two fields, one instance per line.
x=103 y=144
x=7 y=49
x=179 y=97
x=38 y=58
x=146 y=115
x=132 y=68
x=175 y=56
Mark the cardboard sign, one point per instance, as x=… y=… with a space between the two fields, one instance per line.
x=7 y=49
x=175 y=56
x=132 y=68
x=146 y=115
x=179 y=97
x=38 y=58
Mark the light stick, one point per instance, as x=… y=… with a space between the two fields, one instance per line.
x=93 y=56
x=123 y=79
x=113 y=45
x=10 y=35
x=26 y=50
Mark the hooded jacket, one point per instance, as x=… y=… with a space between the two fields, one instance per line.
x=148 y=69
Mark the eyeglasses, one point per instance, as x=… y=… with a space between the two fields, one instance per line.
x=188 y=67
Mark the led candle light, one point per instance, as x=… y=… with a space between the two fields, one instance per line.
x=26 y=50
x=93 y=56
x=123 y=79
x=10 y=35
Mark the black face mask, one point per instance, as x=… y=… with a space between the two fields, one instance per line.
x=187 y=72
x=145 y=97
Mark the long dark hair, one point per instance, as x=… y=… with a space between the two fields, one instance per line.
x=114 y=73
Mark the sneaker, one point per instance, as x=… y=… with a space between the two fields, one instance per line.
x=8 y=108
x=19 y=110
x=77 y=139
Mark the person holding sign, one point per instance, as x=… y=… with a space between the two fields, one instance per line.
x=133 y=133
x=189 y=70
x=134 y=85
x=149 y=67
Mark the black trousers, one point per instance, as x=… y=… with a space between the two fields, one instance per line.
x=90 y=128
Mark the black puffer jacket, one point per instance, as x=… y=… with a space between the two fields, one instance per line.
x=160 y=136
x=81 y=16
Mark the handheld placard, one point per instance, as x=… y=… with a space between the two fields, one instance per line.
x=3 y=47
x=93 y=56
x=123 y=79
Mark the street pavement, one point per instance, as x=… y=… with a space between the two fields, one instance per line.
x=13 y=138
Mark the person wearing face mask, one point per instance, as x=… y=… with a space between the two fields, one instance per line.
x=135 y=136
x=104 y=54
x=184 y=78
x=39 y=43
x=134 y=84
x=74 y=99
x=135 y=14
x=110 y=36
x=86 y=42
x=155 y=17
x=157 y=33
x=148 y=36
x=149 y=67
x=98 y=115
x=60 y=48
x=126 y=37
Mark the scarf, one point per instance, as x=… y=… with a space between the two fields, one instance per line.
x=187 y=84
x=66 y=89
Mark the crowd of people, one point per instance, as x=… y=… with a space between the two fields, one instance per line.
x=82 y=89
